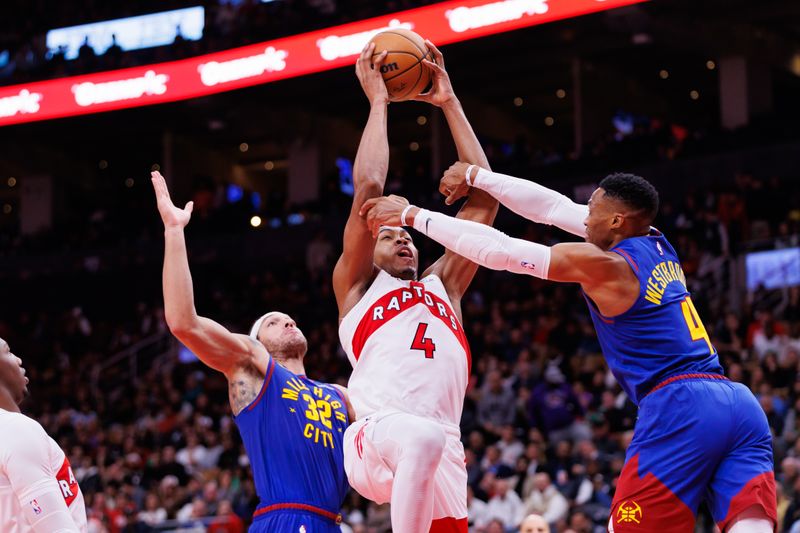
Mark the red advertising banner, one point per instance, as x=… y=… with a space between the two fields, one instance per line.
x=443 y=23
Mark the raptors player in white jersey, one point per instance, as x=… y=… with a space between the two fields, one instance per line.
x=403 y=334
x=38 y=491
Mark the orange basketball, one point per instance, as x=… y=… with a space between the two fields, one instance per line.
x=402 y=70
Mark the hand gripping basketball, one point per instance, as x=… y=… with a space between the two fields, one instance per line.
x=402 y=70
x=370 y=78
x=441 y=91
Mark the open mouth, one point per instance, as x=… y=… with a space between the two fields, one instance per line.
x=405 y=251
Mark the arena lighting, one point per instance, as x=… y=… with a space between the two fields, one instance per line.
x=131 y=33
x=442 y=23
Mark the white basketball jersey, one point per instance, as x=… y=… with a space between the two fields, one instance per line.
x=408 y=350
x=21 y=435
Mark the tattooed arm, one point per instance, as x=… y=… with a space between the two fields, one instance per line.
x=243 y=388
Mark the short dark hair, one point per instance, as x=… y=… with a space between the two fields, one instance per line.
x=632 y=190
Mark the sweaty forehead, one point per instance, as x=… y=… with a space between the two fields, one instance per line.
x=394 y=230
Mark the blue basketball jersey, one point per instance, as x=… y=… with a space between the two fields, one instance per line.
x=661 y=335
x=293 y=436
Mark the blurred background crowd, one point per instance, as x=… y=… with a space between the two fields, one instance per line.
x=545 y=425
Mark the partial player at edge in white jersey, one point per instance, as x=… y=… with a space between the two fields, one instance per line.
x=404 y=337
x=38 y=491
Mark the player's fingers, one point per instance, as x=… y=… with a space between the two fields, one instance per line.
x=367 y=51
x=189 y=207
x=436 y=53
x=373 y=226
x=433 y=67
x=378 y=61
x=159 y=185
x=367 y=206
x=455 y=195
x=423 y=97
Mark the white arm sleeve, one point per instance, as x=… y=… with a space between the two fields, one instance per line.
x=27 y=465
x=534 y=202
x=484 y=245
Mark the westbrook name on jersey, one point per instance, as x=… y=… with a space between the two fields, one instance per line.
x=698 y=436
x=661 y=335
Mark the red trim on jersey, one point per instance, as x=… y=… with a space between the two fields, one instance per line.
x=758 y=492
x=67 y=482
x=646 y=504
x=679 y=377
x=334 y=517
x=359 y=441
x=449 y=525
x=595 y=311
x=628 y=257
x=264 y=386
x=406 y=298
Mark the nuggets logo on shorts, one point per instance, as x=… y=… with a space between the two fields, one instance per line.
x=629 y=511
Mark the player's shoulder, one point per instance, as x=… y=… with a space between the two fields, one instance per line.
x=20 y=431
x=10 y=420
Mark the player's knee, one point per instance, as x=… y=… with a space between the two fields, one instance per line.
x=751 y=525
x=752 y=520
x=426 y=445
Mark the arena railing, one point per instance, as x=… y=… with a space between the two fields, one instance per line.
x=124 y=366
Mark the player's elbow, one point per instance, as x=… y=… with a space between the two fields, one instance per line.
x=370 y=186
x=181 y=326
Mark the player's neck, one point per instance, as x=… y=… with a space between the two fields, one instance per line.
x=618 y=238
x=292 y=364
x=7 y=401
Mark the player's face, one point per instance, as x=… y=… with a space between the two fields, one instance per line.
x=280 y=335
x=396 y=254
x=603 y=218
x=12 y=375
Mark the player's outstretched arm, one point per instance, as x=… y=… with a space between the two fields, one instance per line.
x=26 y=464
x=455 y=271
x=355 y=268
x=211 y=342
x=526 y=198
x=582 y=263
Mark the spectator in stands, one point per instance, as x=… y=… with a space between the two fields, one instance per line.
x=496 y=407
x=533 y=523
x=477 y=511
x=153 y=514
x=553 y=407
x=226 y=520
x=546 y=500
x=505 y=505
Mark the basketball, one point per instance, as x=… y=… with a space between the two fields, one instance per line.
x=402 y=70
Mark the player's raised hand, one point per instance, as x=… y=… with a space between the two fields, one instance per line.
x=383 y=211
x=369 y=75
x=172 y=216
x=453 y=184
x=441 y=90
